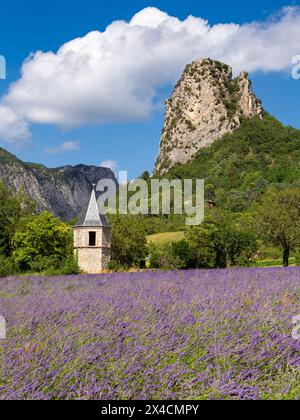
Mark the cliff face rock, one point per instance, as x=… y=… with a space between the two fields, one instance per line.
x=206 y=103
x=64 y=191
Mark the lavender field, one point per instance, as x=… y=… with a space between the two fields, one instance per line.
x=170 y=335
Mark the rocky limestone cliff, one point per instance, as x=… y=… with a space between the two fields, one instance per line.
x=63 y=191
x=206 y=103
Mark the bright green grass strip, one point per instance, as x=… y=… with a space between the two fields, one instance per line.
x=273 y=263
x=163 y=238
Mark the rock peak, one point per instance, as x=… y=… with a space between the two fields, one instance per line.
x=207 y=103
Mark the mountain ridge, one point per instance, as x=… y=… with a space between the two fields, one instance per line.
x=64 y=191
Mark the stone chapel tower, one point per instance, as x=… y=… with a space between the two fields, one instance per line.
x=92 y=239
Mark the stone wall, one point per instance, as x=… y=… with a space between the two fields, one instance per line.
x=89 y=260
x=105 y=258
x=92 y=259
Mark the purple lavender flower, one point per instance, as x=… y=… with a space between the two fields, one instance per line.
x=153 y=335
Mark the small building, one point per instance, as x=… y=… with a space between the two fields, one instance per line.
x=92 y=241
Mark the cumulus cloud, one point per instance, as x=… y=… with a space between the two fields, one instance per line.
x=115 y=75
x=111 y=164
x=68 y=146
x=13 y=128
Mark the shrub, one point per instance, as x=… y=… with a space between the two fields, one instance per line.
x=163 y=257
x=42 y=264
x=116 y=267
x=41 y=240
x=7 y=266
x=183 y=253
x=70 y=266
x=52 y=266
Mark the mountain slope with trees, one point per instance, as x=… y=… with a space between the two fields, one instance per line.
x=252 y=184
x=241 y=166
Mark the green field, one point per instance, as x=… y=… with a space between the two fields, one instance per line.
x=163 y=238
x=274 y=263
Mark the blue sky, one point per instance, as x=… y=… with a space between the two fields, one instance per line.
x=132 y=141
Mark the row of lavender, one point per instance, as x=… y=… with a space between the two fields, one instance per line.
x=156 y=335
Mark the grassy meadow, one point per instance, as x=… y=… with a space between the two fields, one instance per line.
x=165 y=238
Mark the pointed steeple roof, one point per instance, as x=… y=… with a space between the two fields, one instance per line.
x=92 y=217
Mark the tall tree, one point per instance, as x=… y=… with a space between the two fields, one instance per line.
x=12 y=208
x=129 y=246
x=220 y=243
x=234 y=245
x=202 y=241
x=279 y=220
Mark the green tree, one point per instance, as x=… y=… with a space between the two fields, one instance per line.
x=42 y=241
x=161 y=256
x=145 y=176
x=234 y=245
x=12 y=208
x=182 y=252
x=202 y=242
x=220 y=243
x=129 y=246
x=279 y=220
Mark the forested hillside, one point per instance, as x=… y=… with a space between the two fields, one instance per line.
x=242 y=165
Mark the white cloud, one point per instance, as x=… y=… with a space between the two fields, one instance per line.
x=111 y=164
x=115 y=75
x=68 y=146
x=13 y=128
